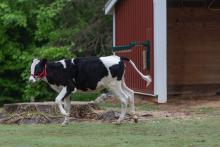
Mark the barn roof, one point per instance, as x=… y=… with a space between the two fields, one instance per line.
x=109 y=5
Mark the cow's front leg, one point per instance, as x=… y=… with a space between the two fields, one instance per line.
x=67 y=107
x=63 y=93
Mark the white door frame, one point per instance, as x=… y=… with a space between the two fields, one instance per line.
x=160 y=50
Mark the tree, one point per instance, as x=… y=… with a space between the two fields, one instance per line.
x=54 y=29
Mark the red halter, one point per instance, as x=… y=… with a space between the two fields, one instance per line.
x=42 y=74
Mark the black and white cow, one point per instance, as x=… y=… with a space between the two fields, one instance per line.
x=86 y=73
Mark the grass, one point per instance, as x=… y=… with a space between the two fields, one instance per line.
x=85 y=96
x=153 y=133
x=199 y=130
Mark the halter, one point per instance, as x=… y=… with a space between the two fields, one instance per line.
x=42 y=74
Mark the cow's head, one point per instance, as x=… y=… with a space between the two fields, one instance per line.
x=38 y=70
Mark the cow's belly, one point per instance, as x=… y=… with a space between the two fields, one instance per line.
x=100 y=86
x=105 y=82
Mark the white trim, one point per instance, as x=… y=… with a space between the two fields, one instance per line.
x=109 y=5
x=114 y=29
x=160 y=50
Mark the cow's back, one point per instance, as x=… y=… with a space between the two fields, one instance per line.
x=89 y=71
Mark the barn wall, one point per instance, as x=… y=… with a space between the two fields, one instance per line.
x=193 y=46
x=134 y=22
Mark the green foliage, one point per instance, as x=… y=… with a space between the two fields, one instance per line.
x=41 y=29
x=45 y=19
x=15 y=19
x=54 y=53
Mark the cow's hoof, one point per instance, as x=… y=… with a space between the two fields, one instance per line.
x=118 y=122
x=64 y=124
x=135 y=119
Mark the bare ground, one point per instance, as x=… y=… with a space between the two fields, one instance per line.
x=175 y=108
x=184 y=107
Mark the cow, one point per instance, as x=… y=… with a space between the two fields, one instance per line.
x=85 y=74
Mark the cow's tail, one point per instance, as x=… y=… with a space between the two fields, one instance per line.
x=147 y=78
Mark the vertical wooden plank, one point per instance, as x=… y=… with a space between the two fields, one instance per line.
x=134 y=22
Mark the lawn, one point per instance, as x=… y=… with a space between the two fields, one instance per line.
x=153 y=133
x=181 y=123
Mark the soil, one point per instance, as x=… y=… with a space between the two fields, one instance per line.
x=177 y=107
x=182 y=108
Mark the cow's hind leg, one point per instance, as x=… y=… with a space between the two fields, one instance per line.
x=117 y=90
x=130 y=94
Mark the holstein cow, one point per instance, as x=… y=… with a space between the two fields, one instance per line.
x=86 y=73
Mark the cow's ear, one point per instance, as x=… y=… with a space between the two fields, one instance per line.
x=43 y=62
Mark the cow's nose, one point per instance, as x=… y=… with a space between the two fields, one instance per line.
x=32 y=79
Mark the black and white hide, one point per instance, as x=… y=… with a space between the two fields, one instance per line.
x=86 y=74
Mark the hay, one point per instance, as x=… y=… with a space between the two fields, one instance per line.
x=43 y=113
x=108 y=116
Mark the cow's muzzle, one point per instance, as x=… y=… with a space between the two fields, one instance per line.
x=32 y=79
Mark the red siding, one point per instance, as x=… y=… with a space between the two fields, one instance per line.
x=134 y=22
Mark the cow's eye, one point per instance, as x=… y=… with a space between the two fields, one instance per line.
x=37 y=69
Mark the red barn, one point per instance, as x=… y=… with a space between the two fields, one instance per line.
x=184 y=40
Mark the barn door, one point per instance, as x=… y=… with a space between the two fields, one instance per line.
x=134 y=22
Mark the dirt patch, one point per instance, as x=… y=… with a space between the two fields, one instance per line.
x=182 y=108
x=176 y=107
x=185 y=104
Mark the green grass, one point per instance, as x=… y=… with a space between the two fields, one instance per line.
x=85 y=96
x=153 y=133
